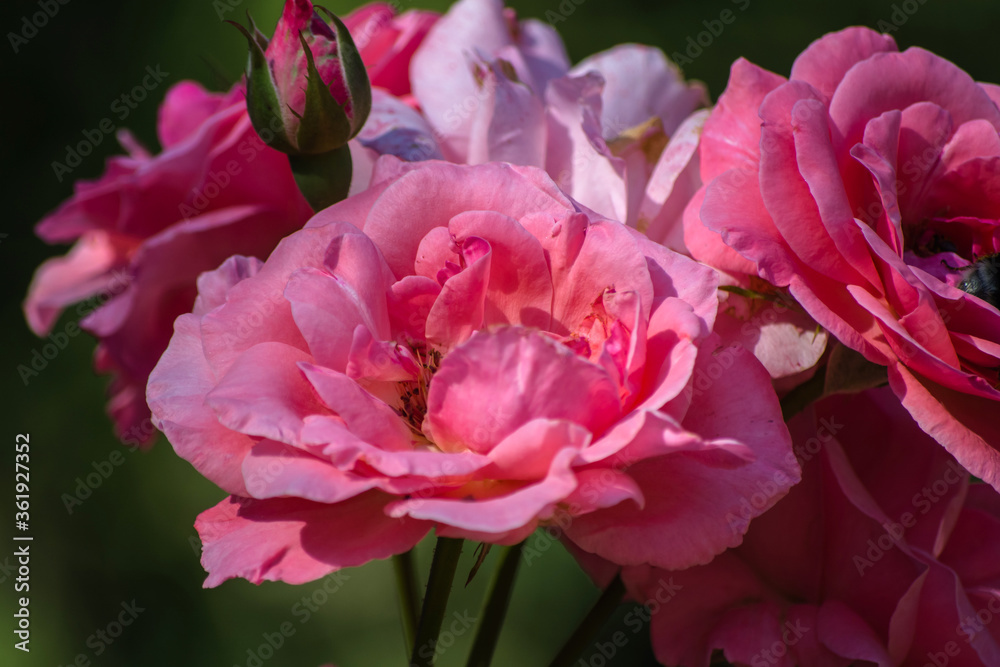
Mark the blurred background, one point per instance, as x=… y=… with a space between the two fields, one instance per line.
x=130 y=541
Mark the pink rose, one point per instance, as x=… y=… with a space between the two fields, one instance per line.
x=884 y=553
x=863 y=183
x=150 y=225
x=465 y=349
x=496 y=89
x=387 y=42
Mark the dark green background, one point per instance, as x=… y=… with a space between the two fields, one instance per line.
x=132 y=538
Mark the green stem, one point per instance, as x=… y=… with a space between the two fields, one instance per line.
x=446 y=554
x=591 y=624
x=324 y=179
x=495 y=608
x=409 y=597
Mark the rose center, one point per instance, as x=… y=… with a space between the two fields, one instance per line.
x=413 y=393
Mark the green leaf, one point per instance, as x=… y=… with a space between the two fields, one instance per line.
x=483 y=550
x=355 y=73
x=263 y=103
x=324 y=124
x=848 y=372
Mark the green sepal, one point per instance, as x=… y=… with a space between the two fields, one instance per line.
x=263 y=104
x=323 y=125
x=355 y=73
x=323 y=179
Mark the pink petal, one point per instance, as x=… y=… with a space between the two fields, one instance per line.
x=734 y=209
x=459 y=309
x=731 y=138
x=274 y=470
x=437 y=192
x=327 y=310
x=959 y=421
x=786 y=161
x=345 y=450
x=586 y=259
x=576 y=151
x=846 y=634
x=825 y=62
x=176 y=395
x=489 y=387
x=639 y=84
x=686 y=489
x=187 y=106
x=688 y=604
x=674 y=181
x=519 y=290
x=509 y=122
x=707 y=245
x=263 y=393
x=501 y=513
x=888 y=81
x=442 y=68
x=785 y=341
x=367 y=417
x=62 y=281
x=256 y=310
x=214 y=285
x=293 y=540
x=528 y=452
x=394 y=128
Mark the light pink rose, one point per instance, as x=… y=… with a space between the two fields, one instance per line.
x=884 y=553
x=864 y=184
x=465 y=349
x=150 y=225
x=495 y=89
x=387 y=42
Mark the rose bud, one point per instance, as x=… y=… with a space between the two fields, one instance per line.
x=308 y=94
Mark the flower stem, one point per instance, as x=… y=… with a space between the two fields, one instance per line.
x=495 y=609
x=446 y=554
x=409 y=597
x=591 y=624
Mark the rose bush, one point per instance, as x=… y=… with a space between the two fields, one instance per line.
x=864 y=183
x=883 y=554
x=465 y=349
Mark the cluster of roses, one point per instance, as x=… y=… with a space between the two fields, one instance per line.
x=751 y=350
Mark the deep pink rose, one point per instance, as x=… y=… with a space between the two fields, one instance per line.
x=884 y=553
x=497 y=89
x=387 y=42
x=865 y=184
x=465 y=349
x=150 y=225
